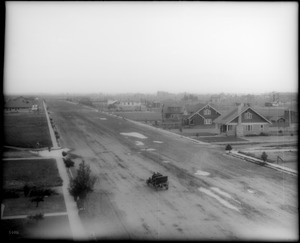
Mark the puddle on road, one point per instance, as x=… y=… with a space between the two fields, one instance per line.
x=202 y=173
x=166 y=161
x=250 y=191
x=225 y=194
x=139 y=143
x=148 y=149
x=133 y=134
x=157 y=142
x=102 y=118
x=219 y=199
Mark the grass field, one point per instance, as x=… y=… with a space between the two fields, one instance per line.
x=26 y=129
x=23 y=205
x=56 y=227
x=40 y=172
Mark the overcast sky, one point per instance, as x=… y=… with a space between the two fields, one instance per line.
x=194 y=47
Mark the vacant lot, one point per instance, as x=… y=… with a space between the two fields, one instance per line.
x=23 y=205
x=40 y=172
x=55 y=227
x=26 y=130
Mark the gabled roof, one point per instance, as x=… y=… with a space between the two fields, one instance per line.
x=199 y=107
x=232 y=114
x=275 y=118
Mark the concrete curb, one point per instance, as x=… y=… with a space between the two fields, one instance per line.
x=260 y=162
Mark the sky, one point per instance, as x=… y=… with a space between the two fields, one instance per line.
x=145 y=47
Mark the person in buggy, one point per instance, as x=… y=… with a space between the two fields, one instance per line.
x=157 y=174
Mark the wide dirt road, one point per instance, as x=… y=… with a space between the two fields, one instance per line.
x=211 y=195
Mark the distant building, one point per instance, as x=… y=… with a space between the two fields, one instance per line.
x=172 y=111
x=130 y=106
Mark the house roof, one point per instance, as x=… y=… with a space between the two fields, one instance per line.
x=167 y=105
x=275 y=118
x=194 y=108
x=270 y=111
x=198 y=107
x=232 y=114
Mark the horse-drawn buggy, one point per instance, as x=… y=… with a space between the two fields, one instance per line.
x=158 y=181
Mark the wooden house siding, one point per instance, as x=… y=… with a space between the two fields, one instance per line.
x=196 y=120
x=200 y=116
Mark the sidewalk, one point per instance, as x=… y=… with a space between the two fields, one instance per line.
x=74 y=220
x=235 y=153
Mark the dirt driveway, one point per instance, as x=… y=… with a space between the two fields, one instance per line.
x=210 y=196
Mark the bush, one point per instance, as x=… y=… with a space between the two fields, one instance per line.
x=56 y=134
x=68 y=162
x=228 y=147
x=264 y=156
x=263 y=134
x=64 y=153
x=83 y=183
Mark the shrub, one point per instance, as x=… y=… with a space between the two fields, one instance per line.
x=263 y=134
x=56 y=134
x=64 y=153
x=68 y=162
x=83 y=183
x=228 y=147
x=264 y=156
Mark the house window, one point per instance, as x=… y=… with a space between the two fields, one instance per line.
x=248 y=115
x=261 y=127
x=207 y=121
x=249 y=128
x=191 y=122
x=229 y=127
x=207 y=112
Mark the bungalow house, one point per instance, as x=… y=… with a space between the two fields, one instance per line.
x=20 y=104
x=200 y=115
x=242 y=120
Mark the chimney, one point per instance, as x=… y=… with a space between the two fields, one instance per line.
x=239 y=128
x=239 y=113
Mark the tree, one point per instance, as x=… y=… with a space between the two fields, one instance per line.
x=83 y=183
x=68 y=162
x=264 y=156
